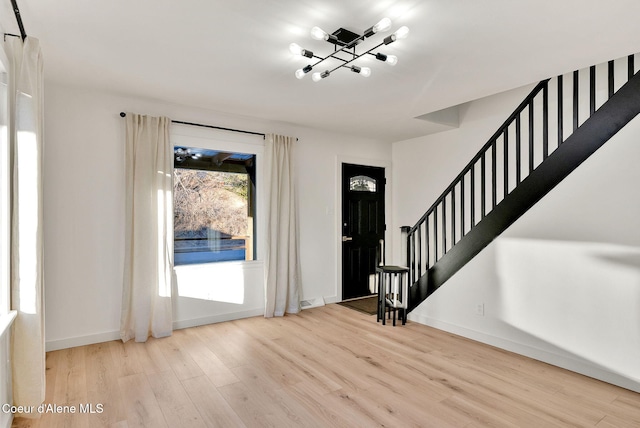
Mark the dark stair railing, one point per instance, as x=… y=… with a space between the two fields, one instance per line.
x=559 y=125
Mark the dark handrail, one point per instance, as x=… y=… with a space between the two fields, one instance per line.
x=523 y=105
x=447 y=215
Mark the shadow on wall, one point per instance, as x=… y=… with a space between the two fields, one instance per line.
x=580 y=297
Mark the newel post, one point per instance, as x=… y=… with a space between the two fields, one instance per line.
x=404 y=244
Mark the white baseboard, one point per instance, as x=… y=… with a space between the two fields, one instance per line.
x=178 y=325
x=72 y=342
x=331 y=299
x=54 y=345
x=562 y=361
x=312 y=303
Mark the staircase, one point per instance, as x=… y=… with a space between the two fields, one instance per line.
x=562 y=122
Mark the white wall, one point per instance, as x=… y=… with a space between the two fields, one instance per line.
x=562 y=284
x=84 y=204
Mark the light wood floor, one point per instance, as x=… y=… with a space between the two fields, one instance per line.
x=328 y=366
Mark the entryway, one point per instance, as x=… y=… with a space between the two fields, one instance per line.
x=363 y=226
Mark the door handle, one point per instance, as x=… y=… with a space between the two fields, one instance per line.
x=347 y=238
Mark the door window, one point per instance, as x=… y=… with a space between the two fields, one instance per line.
x=362 y=183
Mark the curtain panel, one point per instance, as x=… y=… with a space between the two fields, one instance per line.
x=148 y=266
x=282 y=266
x=27 y=272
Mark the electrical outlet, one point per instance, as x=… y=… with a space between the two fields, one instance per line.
x=480 y=309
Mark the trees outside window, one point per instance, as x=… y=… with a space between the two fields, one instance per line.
x=214 y=206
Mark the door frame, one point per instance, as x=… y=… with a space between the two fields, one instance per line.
x=388 y=235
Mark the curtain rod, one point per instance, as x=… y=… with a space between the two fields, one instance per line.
x=16 y=12
x=123 y=114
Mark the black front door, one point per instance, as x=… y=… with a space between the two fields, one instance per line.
x=362 y=227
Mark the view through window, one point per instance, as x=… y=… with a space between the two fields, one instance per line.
x=214 y=206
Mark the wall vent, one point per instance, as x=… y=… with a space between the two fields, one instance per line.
x=312 y=303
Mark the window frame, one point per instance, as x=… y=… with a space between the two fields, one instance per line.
x=211 y=139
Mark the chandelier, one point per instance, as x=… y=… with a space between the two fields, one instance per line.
x=181 y=154
x=345 y=43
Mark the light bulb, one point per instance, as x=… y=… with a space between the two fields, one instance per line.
x=402 y=33
x=383 y=25
x=295 y=49
x=301 y=72
x=392 y=60
x=319 y=34
x=319 y=76
x=365 y=71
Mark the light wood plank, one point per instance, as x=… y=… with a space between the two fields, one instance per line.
x=327 y=366
x=175 y=404
x=208 y=361
x=232 y=346
x=259 y=409
x=150 y=357
x=316 y=402
x=141 y=405
x=625 y=407
x=128 y=362
x=102 y=387
x=70 y=389
x=178 y=359
x=213 y=408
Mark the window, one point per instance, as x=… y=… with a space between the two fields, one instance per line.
x=214 y=205
x=362 y=183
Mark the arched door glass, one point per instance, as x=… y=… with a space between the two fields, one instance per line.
x=362 y=183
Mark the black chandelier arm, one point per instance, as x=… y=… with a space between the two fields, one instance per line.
x=326 y=57
x=311 y=66
x=345 y=47
x=355 y=58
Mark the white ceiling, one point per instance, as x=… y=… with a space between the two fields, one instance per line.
x=233 y=56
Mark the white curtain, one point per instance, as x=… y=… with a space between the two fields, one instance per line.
x=282 y=267
x=27 y=293
x=146 y=297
